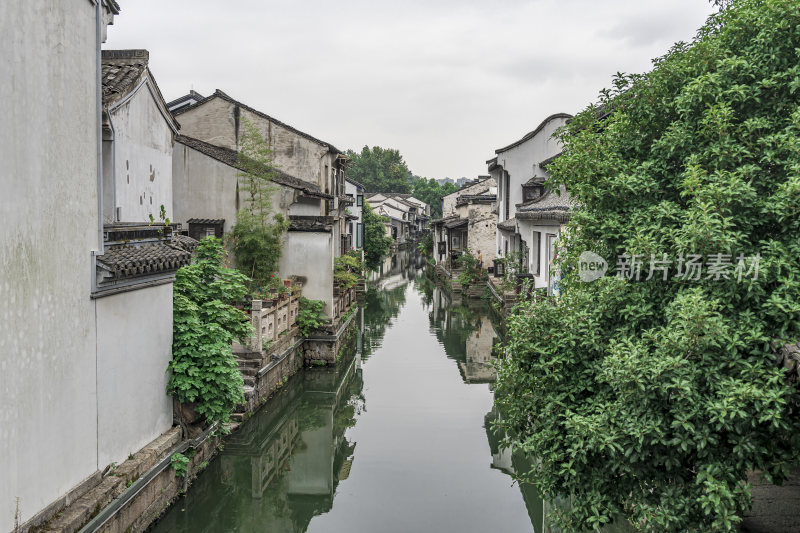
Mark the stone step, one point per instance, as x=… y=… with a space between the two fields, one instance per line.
x=248 y=363
x=249 y=380
x=247 y=354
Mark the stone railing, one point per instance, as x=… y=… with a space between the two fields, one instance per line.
x=271 y=318
x=342 y=300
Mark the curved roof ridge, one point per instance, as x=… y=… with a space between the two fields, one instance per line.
x=533 y=133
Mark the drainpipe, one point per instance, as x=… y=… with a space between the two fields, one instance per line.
x=99 y=116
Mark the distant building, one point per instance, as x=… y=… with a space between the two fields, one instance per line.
x=468 y=223
x=355 y=221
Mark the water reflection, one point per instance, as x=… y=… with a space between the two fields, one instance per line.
x=284 y=465
x=418 y=460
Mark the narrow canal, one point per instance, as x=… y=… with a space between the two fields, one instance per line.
x=396 y=438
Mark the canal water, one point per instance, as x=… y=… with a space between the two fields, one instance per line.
x=396 y=438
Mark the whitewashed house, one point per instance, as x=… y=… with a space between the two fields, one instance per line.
x=141 y=254
x=87 y=336
x=530 y=216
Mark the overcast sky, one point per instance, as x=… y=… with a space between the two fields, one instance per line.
x=446 y=82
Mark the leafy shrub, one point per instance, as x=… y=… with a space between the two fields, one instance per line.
x=652 y=399
x=471 y=272
x=179 y=463
x=256 y=238
x=346 y=270
x=310 y=316
x=203 y=368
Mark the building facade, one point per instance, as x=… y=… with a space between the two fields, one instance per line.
x=530 y=215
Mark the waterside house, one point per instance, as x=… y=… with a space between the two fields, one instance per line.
x=530 y=215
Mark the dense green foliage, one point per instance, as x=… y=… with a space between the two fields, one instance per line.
x=205 y=323
x=377 y=244
x=430 y=192
x=347 y=269
x=380 y=170
x=257 y=237
x=651 y=399
x=310 y=316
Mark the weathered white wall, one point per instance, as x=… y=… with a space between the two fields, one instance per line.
x=310 y=255
x=50 y=220
x=306 y=207
x=482 y=230
x=143 y=159
x=134 y=346
x=203 y=187
x=522 y=163
x=298 y=156
x=449 y=201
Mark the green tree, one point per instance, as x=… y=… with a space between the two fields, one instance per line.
x=651 y=399
x=257 y=237
x=380 y=170
x=205 y=323
x=376 y=243
x=430 y=192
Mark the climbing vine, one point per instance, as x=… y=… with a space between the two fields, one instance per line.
x=205 y=323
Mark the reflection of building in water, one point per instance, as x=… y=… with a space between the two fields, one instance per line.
x=281 y=468
x=477 y=368
x=467 y=334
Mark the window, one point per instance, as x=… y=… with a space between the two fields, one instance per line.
x=360 y=200
x=535 y=255
x=359 y=235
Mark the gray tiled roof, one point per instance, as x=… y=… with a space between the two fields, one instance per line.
x=206 y=221
x=126 y=262
x=184 y=242
x=550 y=206
x=508 y=225
x=456 y=223
x=121 y=71
x=230 y=158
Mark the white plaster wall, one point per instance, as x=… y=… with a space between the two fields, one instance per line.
x=307 y=207
x=296 y=155
x=134 y=346
x=526 y=231
x=143 y=159
x=521 y=162
x=310 y=255
x=48 y=407
x=202 y=187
